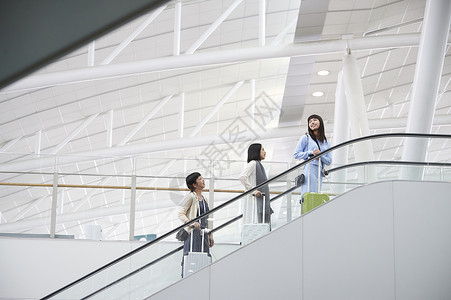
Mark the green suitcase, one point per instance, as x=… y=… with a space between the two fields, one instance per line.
x=312 y=200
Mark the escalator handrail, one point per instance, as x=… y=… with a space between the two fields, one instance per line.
x=389 y=162
x=297 y=166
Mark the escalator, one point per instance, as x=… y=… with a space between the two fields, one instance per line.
x=156 y=265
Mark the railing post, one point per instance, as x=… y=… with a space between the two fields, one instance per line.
x=54 y=205
x=133 y=203
x=365 y=176
x=289 y=213
x=211 y=192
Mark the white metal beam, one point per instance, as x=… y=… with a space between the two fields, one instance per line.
x=284 y=32
x=133 y=35
x=29 y=207
x=216 y=108
x=181 y=114
x=89 y=195
x=262 y=23
x=134 y=149
x=109 y=130
x=145 y=120
x=212 y=58
x=107 y=234
x=252 y=98
x=74 y=133
x=177 y=27
x=91 y=52
x=38 y=140
x=191 y=142
x=10 y=144
x=213 y=27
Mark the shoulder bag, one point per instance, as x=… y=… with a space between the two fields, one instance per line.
x=300 y=179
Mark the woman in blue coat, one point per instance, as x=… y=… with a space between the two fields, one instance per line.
x=311 y=144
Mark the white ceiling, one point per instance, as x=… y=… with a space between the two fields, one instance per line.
x=73 y=118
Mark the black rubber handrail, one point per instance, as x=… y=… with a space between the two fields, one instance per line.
x=174 y=231
x=389 y=162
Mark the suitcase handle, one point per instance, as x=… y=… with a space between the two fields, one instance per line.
x=319 y=175
x=256 y=209
x=202 y=232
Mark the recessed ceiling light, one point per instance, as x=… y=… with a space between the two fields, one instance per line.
x=317 y=94
x=323 y=73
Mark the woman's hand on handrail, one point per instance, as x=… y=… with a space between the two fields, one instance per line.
x=257 y=193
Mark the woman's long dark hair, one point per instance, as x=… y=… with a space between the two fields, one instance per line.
x=253 y=153
x=321 y=132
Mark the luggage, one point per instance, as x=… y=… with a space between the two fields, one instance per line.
x=254 y=231
x=195 y=261
x=312 y=200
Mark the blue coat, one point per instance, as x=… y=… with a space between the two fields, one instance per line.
x=305 y=146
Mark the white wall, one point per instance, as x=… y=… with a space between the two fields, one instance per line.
x=33 y=268
x=389 y=240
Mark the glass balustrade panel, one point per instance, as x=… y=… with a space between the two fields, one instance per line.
x=159 y=265
x=26 y=203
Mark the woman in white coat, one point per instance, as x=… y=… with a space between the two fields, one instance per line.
x=252 y=175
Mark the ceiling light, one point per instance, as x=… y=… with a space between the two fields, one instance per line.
x=317 y=94
x=323 y=73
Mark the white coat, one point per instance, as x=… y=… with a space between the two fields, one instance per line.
x=248 y=178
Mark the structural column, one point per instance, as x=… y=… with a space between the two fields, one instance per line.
x=363 y=151
x=426 y=82
x=341 y=134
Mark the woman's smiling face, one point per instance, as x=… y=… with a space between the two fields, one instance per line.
x=313 y=124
